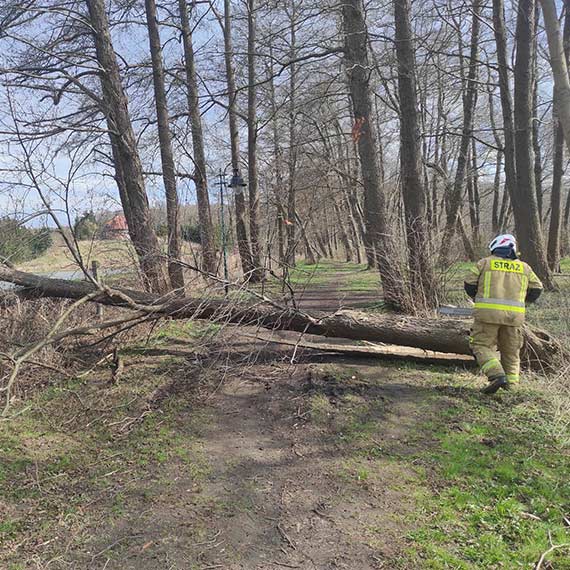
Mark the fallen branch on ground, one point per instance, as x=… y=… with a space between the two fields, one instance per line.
x=439 y=335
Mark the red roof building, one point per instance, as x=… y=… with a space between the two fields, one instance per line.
x=116 y=228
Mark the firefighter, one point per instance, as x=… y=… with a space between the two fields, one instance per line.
x=501 y=286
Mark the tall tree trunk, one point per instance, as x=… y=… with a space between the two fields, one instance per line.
x=525 y=207
x=241 y=219
x=469 y=100
x=309 y=253
x=467 y=242
x=291 y=189
x=505 y=212
x=496 y=193
x=496 y=223
x=343 y=233
x=357 y=65
x=566 y=236
x=476 y=195
x=200 y=177
x=252 y=141
x=558 y=64
x=553 y=253
x=282 y=229
x=536 y=129
x=413 y=190
x=175 y=269
x=239 y=197
x=506 y=98
x=124 y=146
x=558 y=164
x=471 y=200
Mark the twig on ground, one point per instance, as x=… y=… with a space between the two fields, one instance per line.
x=286 y=537
x=547 y=552
x=113 y=544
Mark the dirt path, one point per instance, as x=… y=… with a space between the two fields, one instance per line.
x=282 y=487
x=282 y=490
x=342 y=290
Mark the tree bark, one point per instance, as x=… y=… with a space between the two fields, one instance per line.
x=536 y=144
x=239 y=197
x=476 y=195
x=200 y=176
x=175 y=270
x=505 y=92
x=524 y=202
x=128 y=165
x=440 y=335
x=292 y=185
x=469 y=100
x=413 y=190
x=554 y=246
x=253 y=182
x=357 y=65
x=558 y=64
x=496 y=193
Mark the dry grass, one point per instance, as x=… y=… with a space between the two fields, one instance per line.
x=111 y=255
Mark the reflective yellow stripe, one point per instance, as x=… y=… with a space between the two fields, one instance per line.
x=513 y=378
x=499 y=302
x=508 y=266
x=474 y=270
x=497 y=307
x=524 y=286
x=487 y=285
x=489 y=364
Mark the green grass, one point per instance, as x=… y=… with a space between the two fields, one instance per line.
x=504 y=493
x=65 y=464
x=501 y=482
x=488 y=479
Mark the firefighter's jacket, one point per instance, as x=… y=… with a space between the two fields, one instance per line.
x=502 y=287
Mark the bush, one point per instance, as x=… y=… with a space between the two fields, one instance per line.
x=41 y=241
x=85 y=226
x=191 y=233
x=161 y=230
x=18 y=243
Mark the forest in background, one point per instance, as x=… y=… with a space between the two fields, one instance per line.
x=230 y=235
x=404 y=136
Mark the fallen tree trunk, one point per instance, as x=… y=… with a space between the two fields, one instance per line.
x=439 y=335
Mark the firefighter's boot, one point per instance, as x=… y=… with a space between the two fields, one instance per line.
x=495 y=384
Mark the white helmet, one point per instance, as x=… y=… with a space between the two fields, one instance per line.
x=505 y=240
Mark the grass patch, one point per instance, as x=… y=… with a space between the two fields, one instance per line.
x=111 y=254
x=502 y=492
x=89 y=457
x=487 y=478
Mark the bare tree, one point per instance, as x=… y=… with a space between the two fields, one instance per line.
x=505 y=93
x=455 y=197
x=293 y=151
x=239 y=197
x=127 y=160
x=525 y=207
x=357 y=65
x=413 y=189
x=253 y=179
x=200 y=175
x=175 y=269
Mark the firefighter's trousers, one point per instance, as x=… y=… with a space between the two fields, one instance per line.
x=486 y=339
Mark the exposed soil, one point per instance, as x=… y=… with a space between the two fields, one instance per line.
x=284 y=475
x=337 y=294
x=278 y=494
